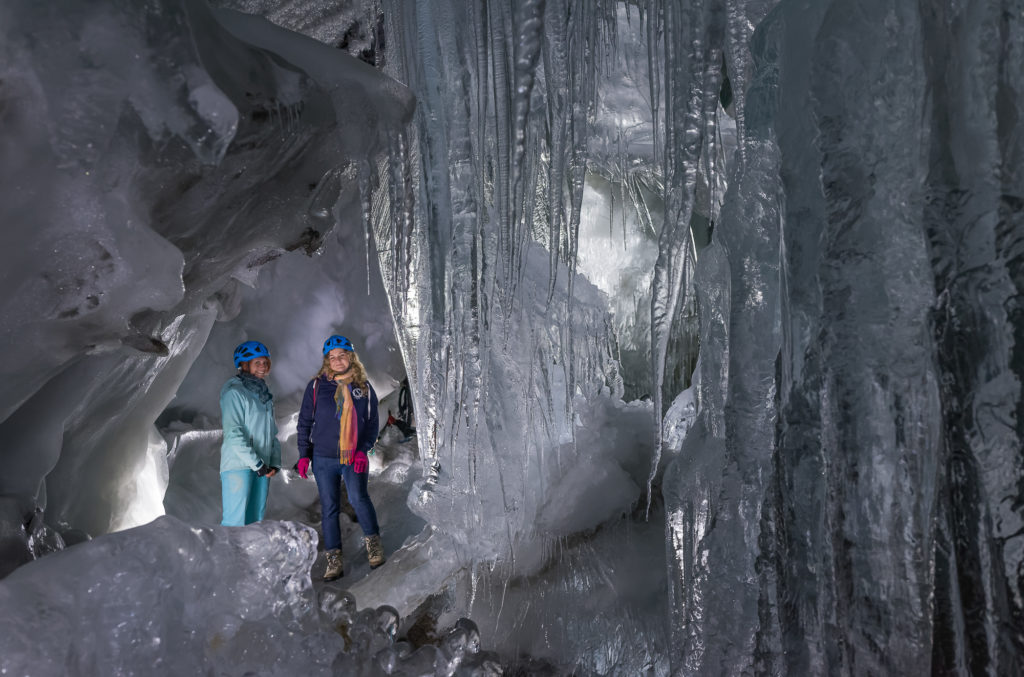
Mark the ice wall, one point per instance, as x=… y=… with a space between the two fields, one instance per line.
x=855 y=508
x=900 y=390
x=847 y=500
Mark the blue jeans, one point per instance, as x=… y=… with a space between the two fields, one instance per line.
x=329 y=473
x=244 y=494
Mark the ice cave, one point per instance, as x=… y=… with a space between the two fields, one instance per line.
x=708 y=316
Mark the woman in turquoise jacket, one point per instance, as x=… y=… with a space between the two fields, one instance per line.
x=250 y=453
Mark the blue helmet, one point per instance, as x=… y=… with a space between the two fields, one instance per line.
x=337 y=342
x=250 y=350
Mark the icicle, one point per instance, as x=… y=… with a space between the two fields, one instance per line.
x=499 y=89
x=367 y=184
x=528 y=24
x=654 y=40
x=741 y=19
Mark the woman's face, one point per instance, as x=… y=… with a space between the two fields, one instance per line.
x=340 y=360
x=258 y=367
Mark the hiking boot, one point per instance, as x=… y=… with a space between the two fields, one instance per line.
x=334 y=570
x=374 y=550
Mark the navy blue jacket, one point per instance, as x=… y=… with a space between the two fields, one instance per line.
x=320 y=435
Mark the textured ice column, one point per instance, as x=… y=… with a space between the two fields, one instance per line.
x=974 y=222
x=748 y=231
x=693 y=36
x=859 y=450
x=692 y=477
x=715 y=489
x=742 y=17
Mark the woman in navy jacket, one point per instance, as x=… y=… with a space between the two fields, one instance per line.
x=337 y=427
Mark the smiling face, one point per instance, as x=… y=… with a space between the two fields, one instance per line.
x=340 y=360
x=258 y=367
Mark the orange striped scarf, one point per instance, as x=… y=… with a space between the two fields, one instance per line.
x=349 y=434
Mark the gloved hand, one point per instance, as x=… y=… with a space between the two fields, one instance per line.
x=262 y=469
x=303 y=467
x=360 y=463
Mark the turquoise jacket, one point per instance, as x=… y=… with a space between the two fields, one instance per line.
x=250 y=432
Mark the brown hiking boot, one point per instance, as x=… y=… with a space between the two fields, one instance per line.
x=334 y=569
x=374 y=550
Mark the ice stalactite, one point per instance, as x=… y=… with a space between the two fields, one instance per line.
x=502 y=338
x=488 y=172
x=692 y=44
x=691 y=75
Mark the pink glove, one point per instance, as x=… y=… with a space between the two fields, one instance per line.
x=304 y=468
x=360 y=463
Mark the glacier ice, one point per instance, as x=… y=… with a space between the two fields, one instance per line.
x=823 y=197
x=175 y=615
